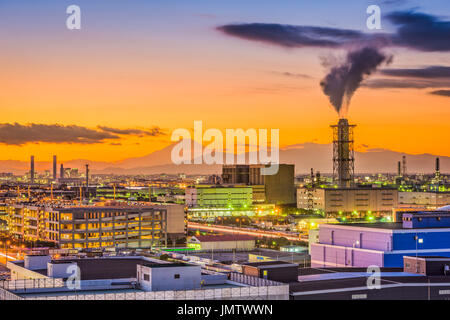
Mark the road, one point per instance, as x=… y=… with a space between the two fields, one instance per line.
x=293 y=236
x=12 y=256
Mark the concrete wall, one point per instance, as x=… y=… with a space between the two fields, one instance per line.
x=19 y=272
x=334 y=256
x=176 y=224
x=169 y=278
x=36 y=262
x=61 y=270
x=365 y=238
x=221 y=245
x=313 y=237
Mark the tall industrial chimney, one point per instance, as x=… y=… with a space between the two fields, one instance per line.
x=343 y=153
x=54 y=167
x=32 y=169
x=399 y=169
x=438 y=168
x=87 y=176
x=404 y=166
x=87 y=181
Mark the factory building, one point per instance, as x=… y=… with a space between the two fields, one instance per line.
x=431 y=200
x=422 y=233
x=278 y=188
x=202 y=196
x=130 y=278
x=98 y=226
x=222 y=242
x=344 y=201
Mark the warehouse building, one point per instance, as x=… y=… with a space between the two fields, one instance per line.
x=222 y=242
x=209 y=196
x=130 y=278
x=430 y=200
x=347 y=201
x=383 y=244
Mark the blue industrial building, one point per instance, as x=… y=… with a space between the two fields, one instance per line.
x=424 y=233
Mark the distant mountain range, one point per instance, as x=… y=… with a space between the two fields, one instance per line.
x=305 y=156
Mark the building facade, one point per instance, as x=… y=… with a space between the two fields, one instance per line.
x=222 y=242
x=92 y=226
x=431 y=200
x=201 y=196
x=382 y=244
x=335 y=201
x=278 y=188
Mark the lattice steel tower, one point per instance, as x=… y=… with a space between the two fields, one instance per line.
x=343 y=153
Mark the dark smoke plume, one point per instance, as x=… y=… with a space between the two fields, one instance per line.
x=344 y=79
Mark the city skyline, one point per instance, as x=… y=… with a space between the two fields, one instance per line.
x=103 y=93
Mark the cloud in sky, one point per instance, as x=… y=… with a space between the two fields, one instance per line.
x=431 y=72
x=19 y=134
x=420 y=31
x=443 y=93
x=404 y=83
x=292 y=74
x=153 y=132
x=415 y=30
x=291 y=36
x=418 y=78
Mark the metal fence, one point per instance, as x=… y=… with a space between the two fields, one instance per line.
x=7 y=295
x=24 y=284
x=242 y=293
x=253 y=281
x=255 y=289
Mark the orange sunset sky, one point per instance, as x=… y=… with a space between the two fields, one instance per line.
x=164 y=64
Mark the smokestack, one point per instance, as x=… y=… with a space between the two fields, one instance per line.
x=399 y=169
x=54 y=167
x=343 y=153
x=87 y=176
x=61 y=171
x=32 y=169
x=404 y=166
x=438 y=168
